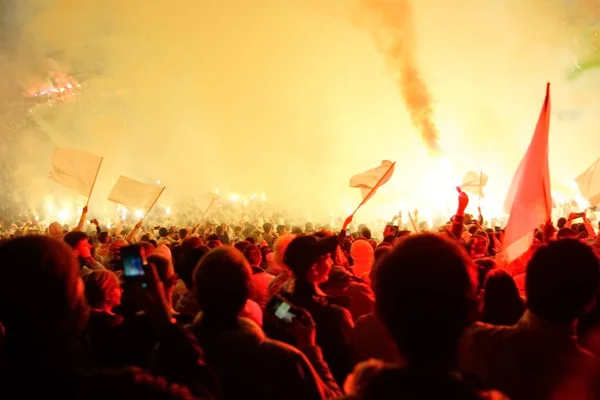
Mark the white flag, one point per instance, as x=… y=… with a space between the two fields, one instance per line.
x=75 y=169
x=589 y=183
x=372 y=179
x=135 y=195
x=474 y=182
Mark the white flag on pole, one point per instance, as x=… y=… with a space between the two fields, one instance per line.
x=474 y=182
x=75 y=169
x=135 y=195
x=589 y=183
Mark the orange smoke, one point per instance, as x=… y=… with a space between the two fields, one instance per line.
x=391 y=23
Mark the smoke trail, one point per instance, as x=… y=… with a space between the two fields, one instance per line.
x=391 y=23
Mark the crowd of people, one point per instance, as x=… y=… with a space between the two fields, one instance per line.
x=269 y=311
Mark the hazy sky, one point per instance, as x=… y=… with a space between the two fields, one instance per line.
x=291 y=98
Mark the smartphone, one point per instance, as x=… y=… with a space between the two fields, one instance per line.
x=282 y=309
x=134 y=261
x=579 y=215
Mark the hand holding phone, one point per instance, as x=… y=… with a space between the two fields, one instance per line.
x=295 y=320
x=134 y=262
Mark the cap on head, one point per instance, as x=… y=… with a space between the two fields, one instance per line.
x=304 y=251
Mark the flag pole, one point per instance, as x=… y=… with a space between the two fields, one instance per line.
x=209 y=207
x=373 y=189
x=94 y=183
x=153 y=204
x=412 y=222
x=480 y=188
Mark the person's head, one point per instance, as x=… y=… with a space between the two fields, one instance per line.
x=166 y=272
x=381 y=251
x=309 y=258
x=566 y=233
x=189 y=260
x=309 y=227
x=163 y=232
x=424 y=295
x=267 y=227
x=484 y=265
x=282 y=230
x=222 y=283
x=104 y=237
x=562 y=280
x=78 y=241
x=389 y=230
x=365 y=233
x=362 y=252
x=53 y=308
x=102 y=290
x=183 y=233
x=219 y=230
x=279 y=248
x=502 y=304
x=561 y=223
x=237 y=231
x=253 y=255
x=241 y=246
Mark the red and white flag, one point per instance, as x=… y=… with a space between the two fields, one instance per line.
x=529 y=201
x=372 y=179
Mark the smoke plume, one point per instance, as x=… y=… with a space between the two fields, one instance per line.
x=392 y=25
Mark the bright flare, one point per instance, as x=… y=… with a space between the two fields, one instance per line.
x=139 y=213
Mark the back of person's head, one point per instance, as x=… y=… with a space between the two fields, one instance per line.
x=165 y=270
x=41 y=293
x=502 y=303
x=183 y=233
x=484 y=265
x=424 y=295
x=163 y=232
x=382 y=250
x=222 y=283
x=102 y=289
x=561 y=281
x=73 y=238
x=219 y=230
x=189 y=260
x=566 y=233
x=191 y=243
x=104 y=237
x=267 y=227
x=253 y=255
x=366 y=233
x=242 y=245
x=561 y=222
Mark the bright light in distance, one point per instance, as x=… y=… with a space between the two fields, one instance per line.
x=168 y=210
x=37 y=218
x=253 y=197
x=63 y=214
x=139 y=213
x=263 y=197
x=234 y=197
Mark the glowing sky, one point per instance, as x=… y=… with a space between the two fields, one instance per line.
x=291 y=98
